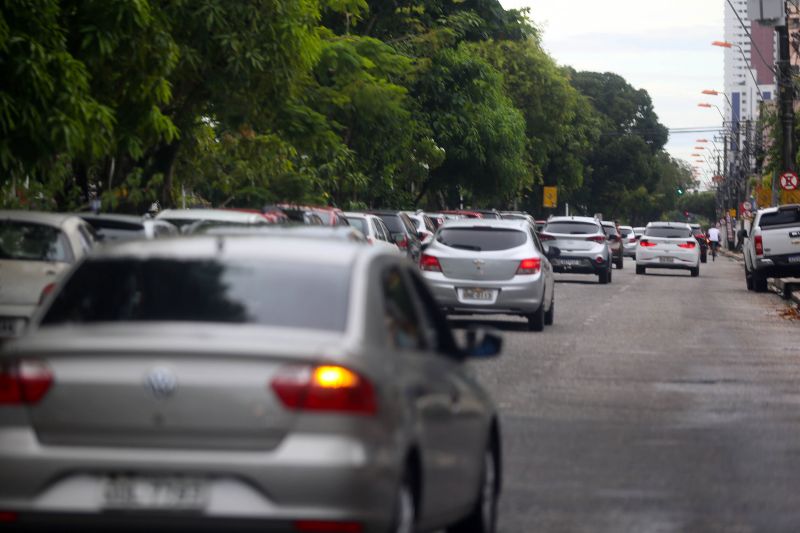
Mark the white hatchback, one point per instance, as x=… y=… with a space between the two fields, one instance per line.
x=668 y=245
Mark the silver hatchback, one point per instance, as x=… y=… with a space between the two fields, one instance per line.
x=272 y=383
x=491 y=266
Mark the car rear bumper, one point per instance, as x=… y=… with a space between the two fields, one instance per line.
x=519 y=295
x=14 y=319
x=309 y=477
x=669 y=260
x=781 y=266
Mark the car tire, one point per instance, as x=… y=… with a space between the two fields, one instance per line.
x=536 y=320
x=640 y=269
x=405 y=513
x=550 y=315
x=483 y=517
x=620 y=263
x=695 y=271
x=604 y=277
x=748 y=279
x=759 y=282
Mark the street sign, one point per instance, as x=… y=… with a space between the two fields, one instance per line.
x=763 y=197
x=790 y=197
x=550 y=197
x=732 y=213
x=747 y=206
x=790 y=181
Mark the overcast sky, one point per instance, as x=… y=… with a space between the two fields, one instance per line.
x=663 y=47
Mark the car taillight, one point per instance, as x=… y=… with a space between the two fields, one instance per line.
x=631 y=240
x=529 y=266
x=646 y=244
x=24 y=382
x=759 y=243
x=430 y=263
x=8 y=517
x=325 y=388
x=690 y=245
x=50 y=287
x=403 y=243
x=597 y=238
x=546 y=237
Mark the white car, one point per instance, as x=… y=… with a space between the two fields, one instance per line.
x=668 y=245
x=35 y=250
x=194 y=220
x=629 y=243
x=374 y=229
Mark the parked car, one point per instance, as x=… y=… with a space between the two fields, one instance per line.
x=463 y=213
x=193 y=220
x=373 y=229
x=628 y=241
x=614 y=243
x=424 y=226
x=668 y=245
x=491 y=266
x=403 y=231
x=183 y=381
x=772 y=246
x=112 y=227
x=582 y=244
x=519 y=215
x=638 y=231
x=702 y=241
x=35 y=251
x=300 y=215
x=490 y=214
x=330 y=233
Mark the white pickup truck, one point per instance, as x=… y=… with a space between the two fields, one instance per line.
x=772 y=248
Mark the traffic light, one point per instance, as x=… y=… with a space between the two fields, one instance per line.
x=686 y=214
x=680 y=191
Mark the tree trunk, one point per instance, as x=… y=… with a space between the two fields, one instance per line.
x=164 y=164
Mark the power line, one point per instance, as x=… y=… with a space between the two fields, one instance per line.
x=752 y=44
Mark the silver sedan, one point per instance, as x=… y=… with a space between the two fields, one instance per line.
x=491 y=266
x=273 y=383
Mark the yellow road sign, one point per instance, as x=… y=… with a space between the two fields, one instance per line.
x=763 y=197
x=550 y=197
x=732 y=213
x=790 y=197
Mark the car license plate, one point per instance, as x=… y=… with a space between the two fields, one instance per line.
x=794 y=259
x=666 y=259
x=568 y=262
x=167 y=493
x=11 y=327
x=481 y=295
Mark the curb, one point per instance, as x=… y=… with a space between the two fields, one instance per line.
x=732 y=255
x=788 y=288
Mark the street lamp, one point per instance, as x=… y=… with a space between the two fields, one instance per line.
x=726 y=44
x=712 y=92
x=709 y=106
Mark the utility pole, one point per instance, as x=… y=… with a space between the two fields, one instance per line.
x=786 y=95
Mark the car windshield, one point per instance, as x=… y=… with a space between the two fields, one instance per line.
x=359 y=223
x=781 y=218
x=27 y=241
x=668 y=233
x=610 y=230
x=571 y=228
x=241 y=292
x=481 y=239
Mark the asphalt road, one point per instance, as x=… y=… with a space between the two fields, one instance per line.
x=658 y=403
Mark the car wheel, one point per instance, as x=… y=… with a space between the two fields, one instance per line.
x=695 y=271
x=483 y=518
x=550 y=315
x=536 y=320
x=759 y=282
x=639 y=269
x=604 y=277
x=748 y=279
x=405 y=513
x=620 y=263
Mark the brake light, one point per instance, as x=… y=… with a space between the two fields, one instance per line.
x=8 y=517
x=546 y=237
x=528 y=267
x=646 y=244
x=50 y=287
x=631 y=240
x=430 y=263
x=24 y=382
x=327 y=526
x=325 y=388
x=759 y=243
x=403 y=243
x=597 y=238
x=689 y=245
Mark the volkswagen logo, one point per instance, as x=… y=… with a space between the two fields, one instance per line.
x=161 y=382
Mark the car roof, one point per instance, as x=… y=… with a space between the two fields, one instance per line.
x=626 y=227
x=668 y=225
x=38 y=217
x=383 y=212
x=320 y=251
x=219 y=215
x=784 y=207
x=609 y=223
x=345 y=233
x=487 y=223
x=590 y=220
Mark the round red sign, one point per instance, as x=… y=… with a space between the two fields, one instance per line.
x=790 y=181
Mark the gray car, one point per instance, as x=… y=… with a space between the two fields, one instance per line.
x=278 y=384
x=582 y=244
x=491 y=266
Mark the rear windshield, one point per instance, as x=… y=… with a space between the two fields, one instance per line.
x=270 y=293
x=359 y=223
x=481 y=239
x=610 y=230
x=625 y=232
x=26 y=241
x=571 y=228
x=394 y=224
x=787 y=216
x=668 y=233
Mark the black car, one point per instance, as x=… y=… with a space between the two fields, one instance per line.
x=404 y=232
x=700 y=237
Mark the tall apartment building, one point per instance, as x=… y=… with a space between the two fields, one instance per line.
x=744 y=65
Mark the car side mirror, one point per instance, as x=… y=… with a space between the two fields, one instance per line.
x=482 y=343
